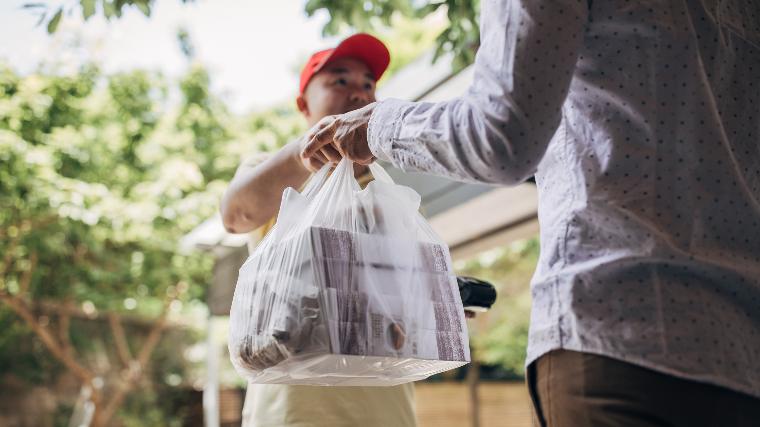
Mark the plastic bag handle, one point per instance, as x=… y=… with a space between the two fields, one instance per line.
x=379 y=173
x=316 y=181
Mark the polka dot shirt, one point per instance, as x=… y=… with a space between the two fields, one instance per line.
x=641 y=122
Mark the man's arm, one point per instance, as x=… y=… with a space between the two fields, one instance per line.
x=499 y=131
x=254 y=194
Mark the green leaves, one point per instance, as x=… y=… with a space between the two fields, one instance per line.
x=100 y=177
x=501 y=336
x=95 y=168
x=108 y=8
x=88 y=8
x=75 y=181
x=144 y=7
x=55 y=21
x=461 y=37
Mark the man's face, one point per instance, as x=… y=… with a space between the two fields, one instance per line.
x=343 y=85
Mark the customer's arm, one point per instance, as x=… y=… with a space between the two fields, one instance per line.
x=499 y=131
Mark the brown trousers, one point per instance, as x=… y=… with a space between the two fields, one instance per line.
x=572 y=389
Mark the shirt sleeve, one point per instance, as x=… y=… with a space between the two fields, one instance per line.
x=499 y=130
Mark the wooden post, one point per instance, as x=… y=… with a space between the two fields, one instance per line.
x=473 y=378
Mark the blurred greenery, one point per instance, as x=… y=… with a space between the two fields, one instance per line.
x=500 y=336
x=99 y=180
x=100 y=176
x=407 y=39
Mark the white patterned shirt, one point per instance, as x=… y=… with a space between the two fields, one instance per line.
x=641 y=122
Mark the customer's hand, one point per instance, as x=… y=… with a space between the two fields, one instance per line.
x=336 y=137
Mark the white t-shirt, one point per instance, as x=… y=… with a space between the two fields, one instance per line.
x=278 y=405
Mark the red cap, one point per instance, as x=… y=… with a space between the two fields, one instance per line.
x=362 y=47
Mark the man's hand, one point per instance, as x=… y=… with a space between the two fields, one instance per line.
x=336 y=137
x=313 y=163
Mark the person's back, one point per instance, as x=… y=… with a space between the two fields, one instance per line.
x=654 y=176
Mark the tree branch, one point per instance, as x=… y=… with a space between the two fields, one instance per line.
x=64 y=324
x=151 y=341
x=8 y=257
x=56 y=308
x=20 y=308
x=139 y=367
x=61 y=351
x=26 y=276
x=26 y=225
x=120 y=338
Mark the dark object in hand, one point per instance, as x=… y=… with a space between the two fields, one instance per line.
x=477 y=295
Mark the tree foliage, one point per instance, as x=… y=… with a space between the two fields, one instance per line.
x=100 y=177
x=460 y=37
x=110 y=9
x=500 y=336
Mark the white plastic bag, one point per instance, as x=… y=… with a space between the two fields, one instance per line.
x=350 y=287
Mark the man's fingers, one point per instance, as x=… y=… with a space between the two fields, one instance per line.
x=314 y=164
x=319 y=140
x=364 y=161
x=313 y=147
x=331 y=153
x=319 y=126
x=321 y=158
x=354 y=152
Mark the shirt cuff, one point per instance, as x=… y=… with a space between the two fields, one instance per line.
x=384 y=127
